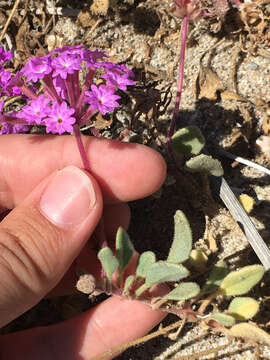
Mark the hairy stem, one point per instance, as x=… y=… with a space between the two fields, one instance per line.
x=180 y=78
x=138 y=341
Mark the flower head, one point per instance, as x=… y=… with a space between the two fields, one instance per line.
x=190 y=8
x=102 y=98
x=64 y=100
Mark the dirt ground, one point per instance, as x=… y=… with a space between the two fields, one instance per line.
x=226 y=94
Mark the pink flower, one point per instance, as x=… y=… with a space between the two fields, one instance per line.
x=36 y=111
x=37 y=68
x=59 y=119
x=102 y=98
x=189 y=8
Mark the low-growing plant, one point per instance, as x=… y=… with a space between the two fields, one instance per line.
x=191 y=301
x=62 y=92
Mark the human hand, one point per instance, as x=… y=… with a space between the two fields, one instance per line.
x=54 y=213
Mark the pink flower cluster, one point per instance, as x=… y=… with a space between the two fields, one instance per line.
x=66 y=99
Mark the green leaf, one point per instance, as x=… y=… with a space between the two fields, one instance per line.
x=108 y=261
x=241 y=281
x=129 y=280
x=243 y=308
x=162 y=271
x=218 y=273
x=124 y=249
x=250 y=331
x=188 y=141
x=184 y=291
x=223 y=319
x=206 y=164
x=146 y=259
x=182 y=239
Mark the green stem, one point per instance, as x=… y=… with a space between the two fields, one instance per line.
x=142 y=289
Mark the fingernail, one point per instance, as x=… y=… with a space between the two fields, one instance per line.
x=68 y=198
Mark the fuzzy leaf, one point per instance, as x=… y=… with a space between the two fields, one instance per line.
x=124 y=249
x=184 y=291
x=218 y=273
x=243 y=308
x=188 y=141
x=249 y=331
x=162 y=271
x=146 y=259
x=108 y=261
x=241 y=281
x=206 y=164
x=128 y=283
x=182 y=239
x=223 y=319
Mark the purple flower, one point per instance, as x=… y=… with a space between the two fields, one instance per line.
x=5 y=56
x=60 y=87
x=5 y=128
x=102 y=98
x=36 y=111
x=117 y=81
x=59 y=119
x=91 y=57
x=64 y=99
x=65 y=64
x=19 y=128
x=116 y=68
x=76 y=49
x=37 y=68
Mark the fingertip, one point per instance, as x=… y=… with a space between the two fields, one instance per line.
x=126 y=171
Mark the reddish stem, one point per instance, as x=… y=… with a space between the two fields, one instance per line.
x=69 y=82
x=180 y=78
x=81 y=148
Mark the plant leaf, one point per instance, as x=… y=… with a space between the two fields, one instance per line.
x=243 y=308
x=218 y=273
x=249 y=331
x=204 y=163
x=162 y=271
x=188 y=141
x=146 y=259
x=184 y=291
x=223 y=319
x=124 y=249
x=128 y=282
x=108 y=261
x=241 y=281
x=182 y=239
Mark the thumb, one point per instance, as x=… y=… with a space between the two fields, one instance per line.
x=42 y=236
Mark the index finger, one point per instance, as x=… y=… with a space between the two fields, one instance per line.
x=124 y=171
